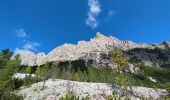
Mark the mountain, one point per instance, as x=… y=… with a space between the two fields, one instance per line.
x=95 y=52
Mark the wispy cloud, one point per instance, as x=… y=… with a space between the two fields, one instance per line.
x=21 y=33
x=31 y=46
x=93 y=12
x=28 y=46
x=20 y=51
x=110 y=14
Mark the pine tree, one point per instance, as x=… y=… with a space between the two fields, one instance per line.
x=80 y=76
x=85 y=77
x=119 y=60
x=122 y=64
x=92 y=75
x=28 y=69
x=64 y=74
x=8 y=67
x=45 y=71
x=76 y=76
x=39 y=71
x=72 y=75
x=6 y=54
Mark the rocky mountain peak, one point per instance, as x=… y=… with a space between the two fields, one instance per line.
x=86 y=50
x=99 y=35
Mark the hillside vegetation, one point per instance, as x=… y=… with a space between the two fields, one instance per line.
x=7 y=69
x=78 y=71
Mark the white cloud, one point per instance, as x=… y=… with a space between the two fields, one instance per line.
x=20 y=51
x=21 y=33
x=27 y=47
x=93 y=12
x=94 y=6
x=31 y=46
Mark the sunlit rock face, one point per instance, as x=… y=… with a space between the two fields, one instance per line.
x=97 y=45
x=92 y=50
x=40 y=59
x=28 y=58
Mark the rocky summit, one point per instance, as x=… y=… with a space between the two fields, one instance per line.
x=97 y=51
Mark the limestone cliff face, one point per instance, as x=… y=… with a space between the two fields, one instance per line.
x=28 y=58
x=87 y=50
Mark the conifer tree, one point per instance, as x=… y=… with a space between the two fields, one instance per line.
x=8 y=67
x=92 y=75
x=64 y=74
x=6 y=54
x=85 y=77
x=46 y=72
x=119 y=60
x=122 y=64
x=76 y=77
x=28 y=69
x=38 y=71
x=43 y=72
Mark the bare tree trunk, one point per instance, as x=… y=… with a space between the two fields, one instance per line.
x=54 y=69
x=127 y=91
x=54 y=72
x=43 y=84
x=131 y=91
x=37 y=78
x=44 y=79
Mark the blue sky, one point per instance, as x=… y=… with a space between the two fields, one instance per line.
x=42 y=25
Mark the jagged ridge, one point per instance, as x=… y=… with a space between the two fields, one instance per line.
x=86 y=50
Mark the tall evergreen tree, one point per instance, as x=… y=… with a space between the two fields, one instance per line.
x=119 y=60
x=8 y=68
x=122 y=64
x=85 y=77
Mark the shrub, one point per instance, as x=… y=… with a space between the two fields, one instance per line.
x=70 y=96
x=122 y=80
x=28 y=81
x=28 y=70
x=167 y=86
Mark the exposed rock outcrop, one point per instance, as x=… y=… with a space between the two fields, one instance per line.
x=55 y=89
x=92 y=50
x=22 y=76
x=28 y=58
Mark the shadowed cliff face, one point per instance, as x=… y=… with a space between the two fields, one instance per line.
x=151 y=57
x=95 y=52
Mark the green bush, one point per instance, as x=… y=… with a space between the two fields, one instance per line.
x=167 y=86
x=6 y=92
x=70 y=96
x=28 y=81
